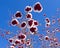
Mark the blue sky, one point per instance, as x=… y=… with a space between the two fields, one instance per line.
x=9 y=7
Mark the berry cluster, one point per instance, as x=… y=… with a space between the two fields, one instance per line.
x=28 y=24
x=28 y=30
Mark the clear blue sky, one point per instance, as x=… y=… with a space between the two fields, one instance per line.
x=8 y=7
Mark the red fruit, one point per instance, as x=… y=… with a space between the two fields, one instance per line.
x=18 y=14
x=17 y=41
x=22 y=36
x=14 y=22
x=28 y=9
x=23 y=25
x=46 y=38
x=30 y=23
x=11 y=40
x=28 y=15
x=36 y=23
x=37 y=7
x=47 y=20
x=33 y=30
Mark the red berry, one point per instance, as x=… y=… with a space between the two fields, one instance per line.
x=22 y=36
x=30 y=23
x=33 y=30
x=28 y=9
x=36 y=23
x=14 y=22
x=28 y=15
x=23 y=25
x=37 y=7
x=18 y=14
